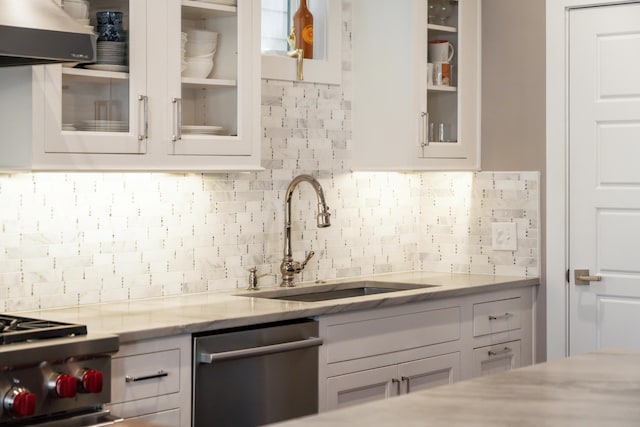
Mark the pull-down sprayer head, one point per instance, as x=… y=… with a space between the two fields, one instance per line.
x=324 y=216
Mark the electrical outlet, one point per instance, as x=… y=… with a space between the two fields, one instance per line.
x=504 y=236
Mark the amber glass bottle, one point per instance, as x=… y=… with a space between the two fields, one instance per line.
x=303 y=23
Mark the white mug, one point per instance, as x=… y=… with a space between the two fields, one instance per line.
x=440 y=51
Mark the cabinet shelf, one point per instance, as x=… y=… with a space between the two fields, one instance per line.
x=192 y=9
x=95 y=74
x=442 y=88
x=442 y=28
x=197 y=82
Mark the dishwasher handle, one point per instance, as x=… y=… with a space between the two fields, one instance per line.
x=211 y=358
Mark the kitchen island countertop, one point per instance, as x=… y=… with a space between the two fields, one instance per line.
x=191 y=313
x=595 y=389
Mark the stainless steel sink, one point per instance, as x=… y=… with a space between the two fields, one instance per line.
x=337 y=291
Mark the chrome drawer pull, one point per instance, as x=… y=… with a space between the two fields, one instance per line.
x=160 y=374
x=505 y=350
x=500 y=316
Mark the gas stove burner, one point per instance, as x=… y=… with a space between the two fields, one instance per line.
x=15 y=329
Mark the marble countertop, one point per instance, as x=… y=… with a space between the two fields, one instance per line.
x=595 y=389
x=176 y=315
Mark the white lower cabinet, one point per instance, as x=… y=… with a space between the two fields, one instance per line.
x=502 y=333
x=360 y=387
x=384 y=352
x=429 y=372
x=388 y=381
x=150 y=381
x=380 y=353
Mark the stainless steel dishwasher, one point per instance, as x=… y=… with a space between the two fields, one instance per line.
x=254 y=376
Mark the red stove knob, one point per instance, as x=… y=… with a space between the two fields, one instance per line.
x=19 y=401
x=92 y=381
x=66 y=386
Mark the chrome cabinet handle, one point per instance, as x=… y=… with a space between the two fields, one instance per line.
x=211 y=358
x=144 y=100
x=177 y=119
x=425 y=121
x=583 y=277
x=505 y=350
x=499 y=316
x=408 y=381
x=160 y=374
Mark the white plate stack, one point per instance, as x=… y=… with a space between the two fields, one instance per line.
x=204 y=130
x=103 y=126
x=224 y=2
x=110 y=56
x=199 y=50
x=183 y=49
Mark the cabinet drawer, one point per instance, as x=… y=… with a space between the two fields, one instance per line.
x=496 y=358
x=496 y=316
x=160 y=419
x=371 y=337
x=143 y=375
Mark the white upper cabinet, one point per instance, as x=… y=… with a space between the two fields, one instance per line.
x=217 y=114
x=138 y=108
x=402 y=119
x=95 y=108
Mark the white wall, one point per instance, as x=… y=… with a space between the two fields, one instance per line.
x=514 y=104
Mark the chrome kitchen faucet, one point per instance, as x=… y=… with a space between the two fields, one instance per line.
x=289 y=268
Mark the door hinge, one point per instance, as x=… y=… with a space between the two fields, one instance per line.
x=568 y=276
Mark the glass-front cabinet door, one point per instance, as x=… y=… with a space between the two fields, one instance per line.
x=451 y=123
x=101 y=107
x=212 y=77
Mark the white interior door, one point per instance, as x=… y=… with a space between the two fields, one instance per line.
x=604 y=176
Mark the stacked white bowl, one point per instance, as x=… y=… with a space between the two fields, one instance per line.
x=199 y=50
x=78 y=10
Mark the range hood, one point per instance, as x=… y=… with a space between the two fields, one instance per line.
x=40 y=32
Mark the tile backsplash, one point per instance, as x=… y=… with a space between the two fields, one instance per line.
x=75 y=238
x=80 y=238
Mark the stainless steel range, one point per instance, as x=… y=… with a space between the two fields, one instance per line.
x=53 y=373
